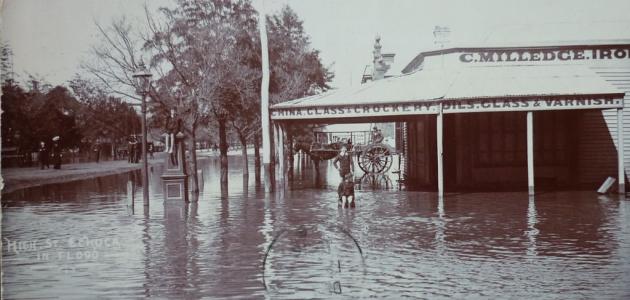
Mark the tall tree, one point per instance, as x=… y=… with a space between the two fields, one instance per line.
x=6 y=63
x=116 y=57
x=296 y=68
x=57 y=117
x=203 y=45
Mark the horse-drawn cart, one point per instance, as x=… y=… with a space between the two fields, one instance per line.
x=373 y=156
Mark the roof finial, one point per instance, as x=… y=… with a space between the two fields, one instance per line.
x=377 y=49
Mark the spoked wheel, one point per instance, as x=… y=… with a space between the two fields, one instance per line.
x=375 y=159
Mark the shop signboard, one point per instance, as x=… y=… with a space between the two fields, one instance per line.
x=544 y=55
x=448 y=106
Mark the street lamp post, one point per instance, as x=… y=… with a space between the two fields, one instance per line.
x=143 y=85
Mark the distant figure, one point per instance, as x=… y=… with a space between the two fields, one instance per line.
x=56 y=153
x=171 y=131
x=97 y=151
x=44 y=155
x=377 y=136
x=150 y=149
x=138 y=152
x=173 y=128
x=215 y=148
x=176 y=142
x=133 y=149
x=129 y=150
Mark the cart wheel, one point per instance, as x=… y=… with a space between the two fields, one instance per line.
x=375 y=159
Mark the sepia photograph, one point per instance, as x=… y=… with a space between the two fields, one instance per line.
x=315 y=149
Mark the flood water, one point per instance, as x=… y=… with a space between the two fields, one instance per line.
x=83 y=240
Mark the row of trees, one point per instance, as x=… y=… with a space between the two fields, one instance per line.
x=80 y=114
x=37 y=114
x=207 y=60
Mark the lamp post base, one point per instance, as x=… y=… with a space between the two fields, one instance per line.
x=174 y=178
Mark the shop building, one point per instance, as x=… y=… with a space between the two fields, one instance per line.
x=496 y=118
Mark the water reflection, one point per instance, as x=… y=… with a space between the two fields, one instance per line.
x=440 y=227
x=375 y=182
x=414 y=244
x=532 y=231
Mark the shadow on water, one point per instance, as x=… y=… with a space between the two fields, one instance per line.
x=82 y=240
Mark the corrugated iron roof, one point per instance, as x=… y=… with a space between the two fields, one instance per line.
x=466 y=83
x=517 y=81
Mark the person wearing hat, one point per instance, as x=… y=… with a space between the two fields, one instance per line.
x=44 y=155
x=134 y=149
x=377 y=136
x=138 y=150
x=97 y=151
x=130 y=149
x=56 y=153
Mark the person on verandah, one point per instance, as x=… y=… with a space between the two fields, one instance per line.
x=377 y=135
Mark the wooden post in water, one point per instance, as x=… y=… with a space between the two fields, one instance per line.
x=276 y=156
x=620 y=153
x=440 y=151
x=281 y=155
x=530 y=152
x=130 y=195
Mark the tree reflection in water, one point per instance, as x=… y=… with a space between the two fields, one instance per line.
x=568 y=244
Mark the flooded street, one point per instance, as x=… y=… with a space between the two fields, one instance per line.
x=83 y=240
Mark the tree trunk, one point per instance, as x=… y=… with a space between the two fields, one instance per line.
x=257 y=157
x=223 y=149
x=243 y=141
x=193 y=155
x=113 y=143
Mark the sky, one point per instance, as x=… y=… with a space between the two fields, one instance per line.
x=50 y=38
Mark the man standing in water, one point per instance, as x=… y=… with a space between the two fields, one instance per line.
x=346 y=169
x=346 y=166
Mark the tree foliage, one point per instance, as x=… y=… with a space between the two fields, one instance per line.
x=103 y=115
x=206 y=58
x=79 y=117
x=34 y=116
x=296 y=69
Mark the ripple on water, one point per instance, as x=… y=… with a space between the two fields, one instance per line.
x=500 y=245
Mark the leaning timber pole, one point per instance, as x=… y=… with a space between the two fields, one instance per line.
x=264 y=99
